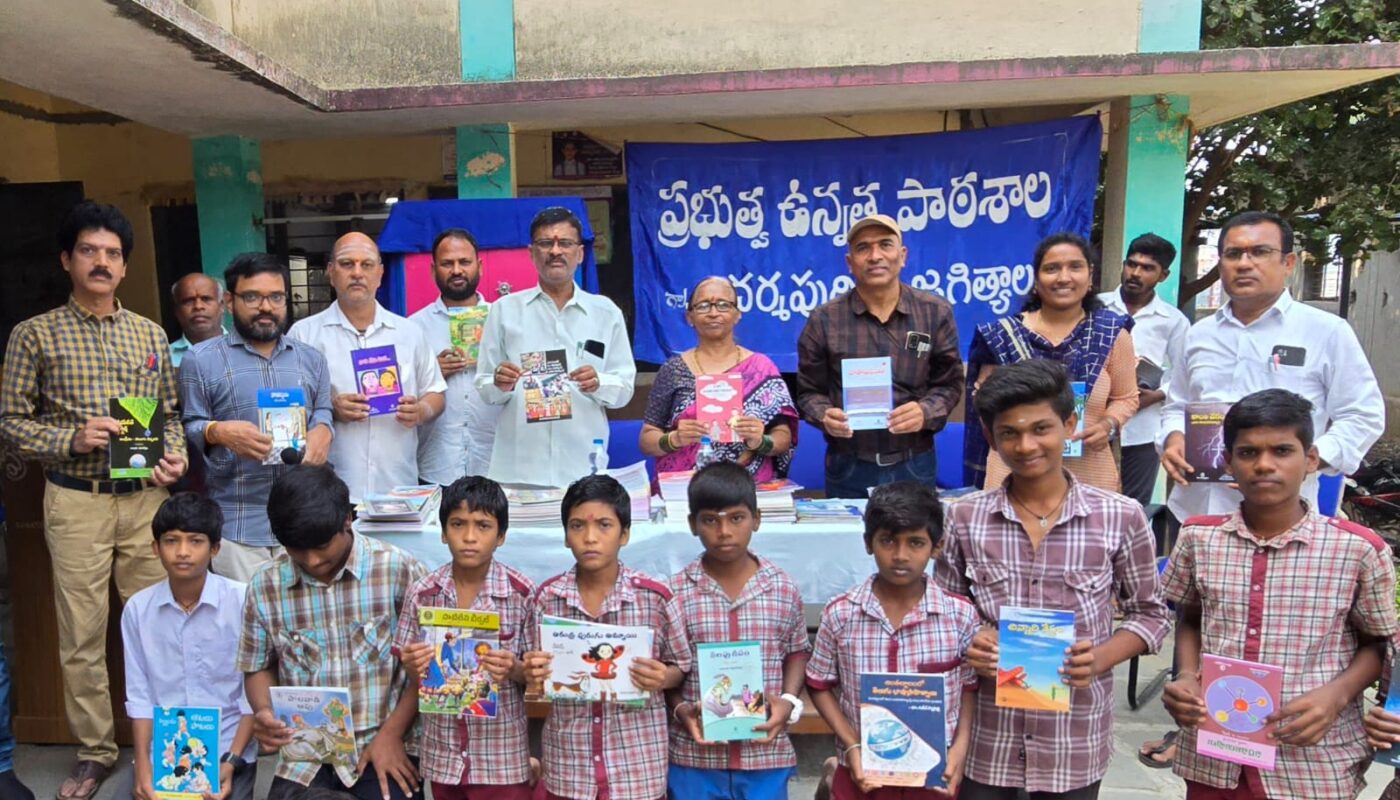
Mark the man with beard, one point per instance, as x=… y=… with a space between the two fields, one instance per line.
x=459 y=442
x=219 y=384
x=199 y=310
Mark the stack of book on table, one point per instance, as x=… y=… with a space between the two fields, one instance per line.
x=403 y=509
x=674 y=487
x=534 y=506
x=776 y=502
x=638 y=485
x=829 y=510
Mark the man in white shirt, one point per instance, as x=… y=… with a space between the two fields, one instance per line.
x=1159 y=336
x=1263 y=339
x=458 y=442
x=556 y=315
x=372 y=453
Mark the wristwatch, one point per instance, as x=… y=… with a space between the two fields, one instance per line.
x=235 y=759
x=797 y=707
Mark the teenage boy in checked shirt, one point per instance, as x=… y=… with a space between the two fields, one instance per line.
x=466 y=757
x=898 y=620
x=730 y=594
x=1276 y=583
x=1044 y=540
x=608 y=751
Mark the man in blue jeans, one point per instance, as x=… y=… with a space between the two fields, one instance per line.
x=11 y=788
x=881 y=317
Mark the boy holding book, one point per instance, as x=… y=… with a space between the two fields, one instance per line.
x=897 y=620
x=730 y=594
x=322 y=614
x=607 y=750
x=1276 y=583
x=179 y=639
x=1043 y=540
x=471 y=757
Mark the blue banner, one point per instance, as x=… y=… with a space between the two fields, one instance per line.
x=773 y=217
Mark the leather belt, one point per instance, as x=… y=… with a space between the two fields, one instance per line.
x=896 y=456
x=121 y=487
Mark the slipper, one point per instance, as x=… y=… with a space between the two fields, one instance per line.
x=83 y=771
x=1167 y=743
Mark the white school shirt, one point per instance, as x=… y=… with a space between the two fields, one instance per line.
x=1226 y=360
x=377 y=454
x=458 y=442
x=178 y=659
x=1159 y=335
x=553 y=453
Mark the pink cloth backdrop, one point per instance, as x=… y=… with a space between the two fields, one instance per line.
x=511 y=265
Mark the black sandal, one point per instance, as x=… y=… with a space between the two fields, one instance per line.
x=1167 y=743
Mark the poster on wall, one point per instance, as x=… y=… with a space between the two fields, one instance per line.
x=578 y=156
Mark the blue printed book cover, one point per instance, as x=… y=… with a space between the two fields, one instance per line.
x=282 y=418
x=867 y=392
x=731 y=690
x=1075 y=449
x=377 y=378
x=903 y=729
x=185 y=752
x=1391 y=757
x=1032 y=644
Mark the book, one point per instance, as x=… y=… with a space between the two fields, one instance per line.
x=323 y=730
x=185 y=752
x=545 y=381
x=456 y=683
x=1032 y=644
x=377 y=378
x=1205 y=443
x=1149 y=373
x=135 y=451
x=1075 y=448
x=732 y=701
x=719 y=400
x=867 y=392
x=1239 y=696
x=403 y=503
x=464 y=328
x=903 y=729
x=1391 y=757
x=282 y=416
x=591 y=661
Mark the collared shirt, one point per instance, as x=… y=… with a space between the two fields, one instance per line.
x=332 y=634
x=768 y=610
x=857 y=637
x=610 y=749
x=1159 y=335
x=845 y=328
x=182 y=345
x=376 y=454
x=1100 y=549
x=175 y=658
x=472 y=750
x=1226 y=360
x=1297 y=601
x=553 y=453
x=219 y=381
x=64 y=366
x=459 y=441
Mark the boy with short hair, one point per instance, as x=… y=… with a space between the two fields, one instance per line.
x=466 y=757
x=179 y=638
x=1278 y=584
x=731 y=594
x=607 y=750
x=897 y=620
x=322 y=613
x=1045 y=540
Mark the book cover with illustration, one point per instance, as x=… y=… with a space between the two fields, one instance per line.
x=591 y=661
x=464 y=327
x=1075 y=448
x=1205 y=443
x=377 y=378
x=323 y=730
x=903 y=729
x=545 y=381
x=731 y=690
x=455 y=682
x=135 y=451
x=282 y=417
x=867 y=392
x=185 y=752
x=1239 y=696
x=1391 y=757
x=1032 y=644
x=719 y=400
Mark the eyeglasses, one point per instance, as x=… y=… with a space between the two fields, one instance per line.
x=722 y=306
x=550 y=244
x=253 y=299
x=1258 y=252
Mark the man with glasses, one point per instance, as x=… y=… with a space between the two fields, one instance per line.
x=521 y=330
x=220 y=381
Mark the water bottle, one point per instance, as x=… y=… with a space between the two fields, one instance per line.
x=597 y=458
x=706 y=455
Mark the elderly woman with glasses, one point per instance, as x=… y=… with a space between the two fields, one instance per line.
x=765 y=430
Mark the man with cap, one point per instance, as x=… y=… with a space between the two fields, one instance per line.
x=882 y=316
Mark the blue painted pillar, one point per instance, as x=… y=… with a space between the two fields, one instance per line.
x=486 y=153
x=485 y=161
x=228 y=188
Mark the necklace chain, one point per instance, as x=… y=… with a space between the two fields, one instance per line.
x=1043 y=519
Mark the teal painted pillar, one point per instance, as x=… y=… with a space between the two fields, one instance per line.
x=486 y=153
x=228 y=189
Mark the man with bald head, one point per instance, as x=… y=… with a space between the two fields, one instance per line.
x=199 y=310
x=371 y=453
